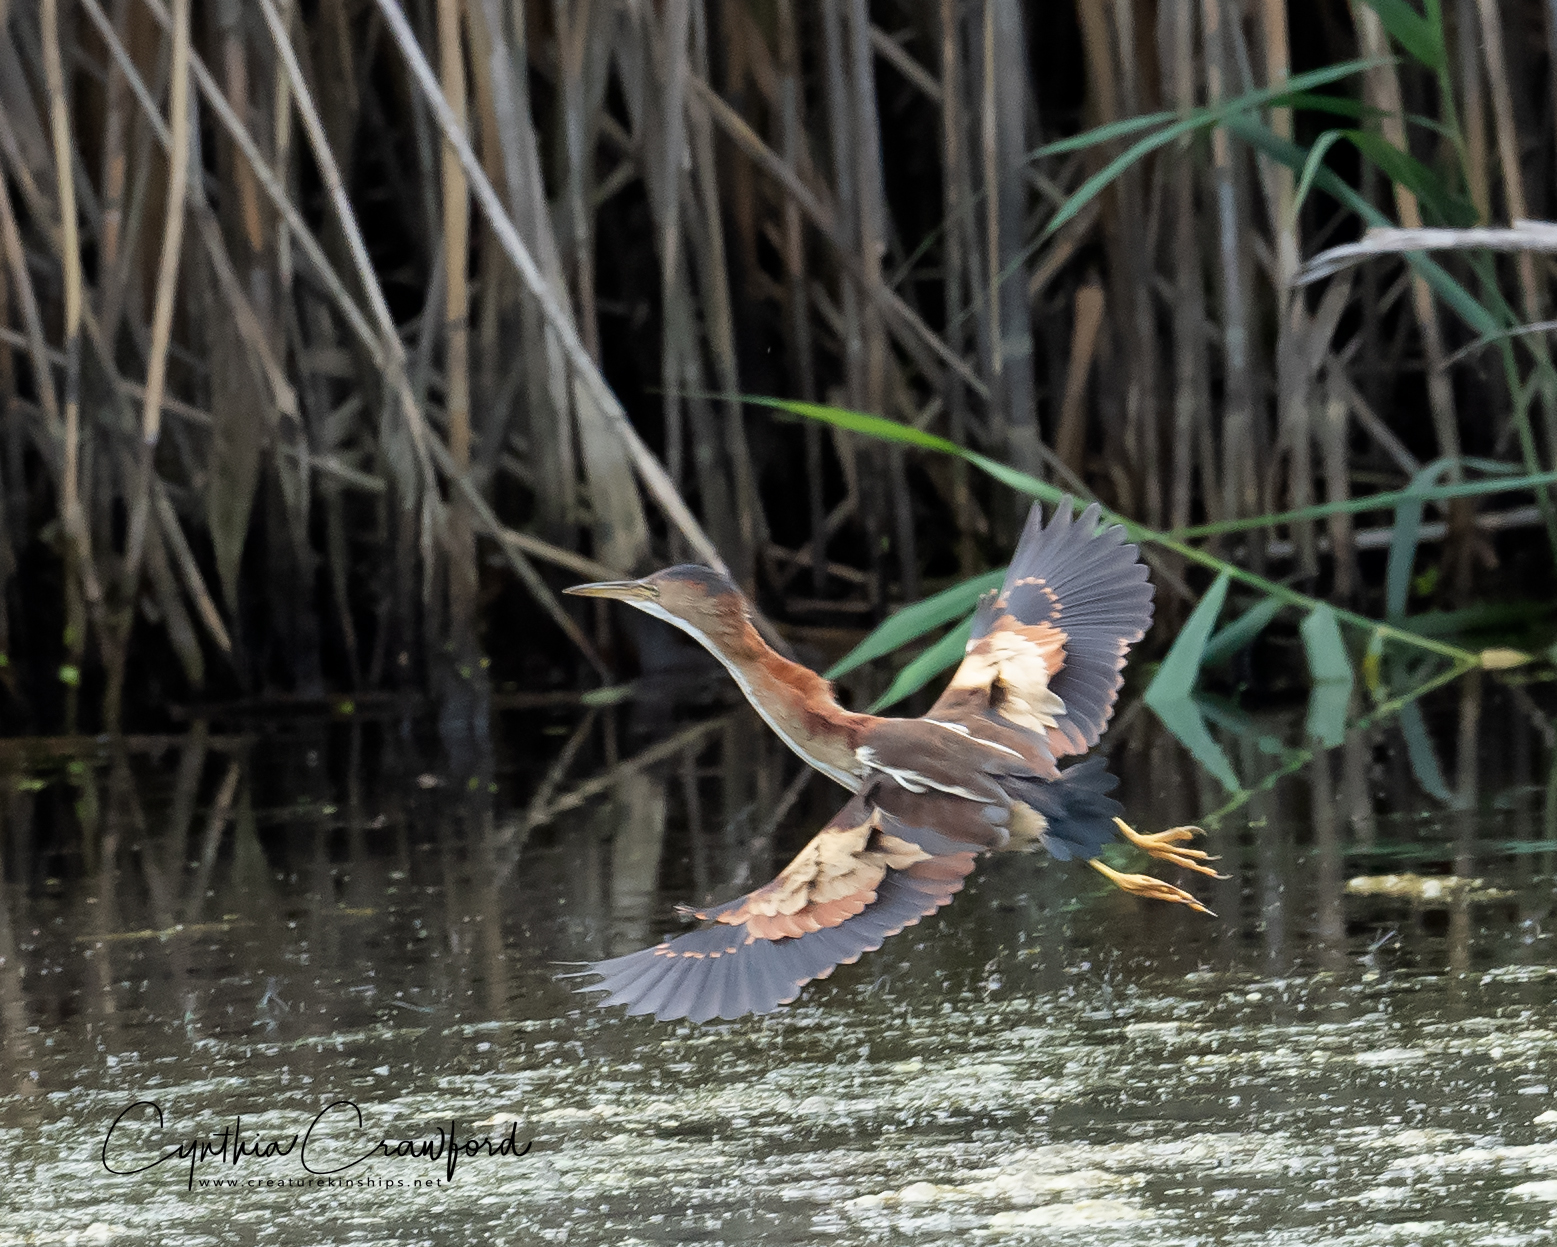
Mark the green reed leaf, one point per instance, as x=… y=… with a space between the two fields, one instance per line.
x=1406 y=170
x=1403 y=541
x=1023 y=482
x=1231 y=717
x=1182 y=716
x=1312 y=165
x=1415 y=33
x=1199 y=119
x=1328 y=660
x=1241 y=632
x=1330 y=666
x=1102 y=134
x=1381 y=501
x=942 y=656
x=1176 y=677
x=1424 y=758
x=1456 y=296
x=1169 y=693
x=913 y=622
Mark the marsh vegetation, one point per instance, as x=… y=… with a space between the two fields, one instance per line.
x=337 y=336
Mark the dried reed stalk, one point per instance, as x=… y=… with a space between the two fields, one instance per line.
x=161 y=335
x=1240 y=435
x=456 y=334
x=953 y=258
x=1384 y=84
x=585 y=370
x=1514 y=193
x=1192 y=441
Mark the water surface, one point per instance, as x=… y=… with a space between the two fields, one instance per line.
x=265 y=922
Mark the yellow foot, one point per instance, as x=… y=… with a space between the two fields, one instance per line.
x=1144 y=885
x=1162 y=847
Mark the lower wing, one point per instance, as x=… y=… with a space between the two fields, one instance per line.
x=864 y=877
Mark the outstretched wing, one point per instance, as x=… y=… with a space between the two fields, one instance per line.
x=865 y=876
x=1047 y=652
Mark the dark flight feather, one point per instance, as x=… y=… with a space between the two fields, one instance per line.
x=724 y=970
x=1088 y=585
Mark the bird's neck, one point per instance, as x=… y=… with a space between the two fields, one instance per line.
x=793 y=700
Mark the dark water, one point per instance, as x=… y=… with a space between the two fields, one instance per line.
x=268 y=922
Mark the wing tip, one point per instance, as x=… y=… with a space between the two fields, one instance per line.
x=739 y=975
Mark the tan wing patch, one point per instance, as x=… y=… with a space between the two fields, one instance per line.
x=833 y=878
x=1036 y=582
x=1013 y=663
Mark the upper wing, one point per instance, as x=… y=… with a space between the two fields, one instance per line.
x=1046 y=654
x=865 y=876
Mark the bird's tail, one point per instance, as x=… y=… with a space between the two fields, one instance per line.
x=1077 y=808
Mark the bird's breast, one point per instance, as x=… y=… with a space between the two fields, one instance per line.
x=800 y=708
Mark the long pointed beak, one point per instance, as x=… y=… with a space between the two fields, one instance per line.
x=623 y=590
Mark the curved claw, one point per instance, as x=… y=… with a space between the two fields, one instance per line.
x=1144 y=885
x=1161 y=846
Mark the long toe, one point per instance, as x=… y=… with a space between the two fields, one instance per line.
x=1151 y=888
x=1164 y=846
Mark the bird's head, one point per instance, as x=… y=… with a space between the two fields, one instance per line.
x=697 y=599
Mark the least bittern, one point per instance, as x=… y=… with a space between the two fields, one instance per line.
x=977 y=774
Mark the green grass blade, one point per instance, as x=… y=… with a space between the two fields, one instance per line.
x=1337 y=104
x=1182 y=716
x=1231 y=717
x=1326 y=650
x=1380 y=501
x=1241 y=632
x=1098 y=182
x=912 y=622
x=1463 y=303
x=906 y=435
x=942 y=656
x=1402 y=558
x=1483 y=617
x=1293 y=93
x=1314 y=162
x=1199 y=119
x=1293 y=89
x=1296 y=759
x=1424 y=759
x=1415 y=33
x=1408 y=171
x=1024 y=483
x=1403 y=542
x=856 y=422
x=1331 y=668
x=1176 y=677
x=1494 y=467
x=1102 y=134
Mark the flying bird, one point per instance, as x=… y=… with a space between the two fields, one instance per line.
x=979 y=773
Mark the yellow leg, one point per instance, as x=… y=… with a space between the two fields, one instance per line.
x=1145 y=885
x=1162 y=846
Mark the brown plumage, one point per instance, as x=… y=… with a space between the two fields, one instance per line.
x=978 y=773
